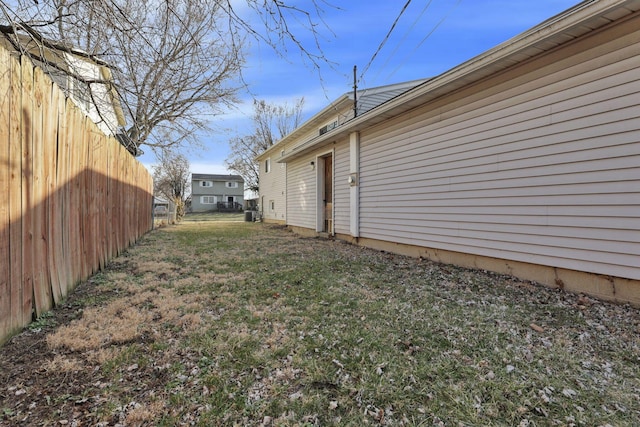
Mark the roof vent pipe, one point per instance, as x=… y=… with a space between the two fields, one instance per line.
x=355 y=92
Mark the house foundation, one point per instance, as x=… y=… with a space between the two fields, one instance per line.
x=606 y=288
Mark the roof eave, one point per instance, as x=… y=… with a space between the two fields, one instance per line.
x=315 y=121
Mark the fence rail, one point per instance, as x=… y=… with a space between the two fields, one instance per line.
x=229 y=206
x=71 y=198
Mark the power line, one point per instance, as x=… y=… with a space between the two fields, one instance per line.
x=425 y=38
x=386 y=38
x=404 y=38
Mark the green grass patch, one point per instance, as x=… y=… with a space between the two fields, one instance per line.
x=45 y=320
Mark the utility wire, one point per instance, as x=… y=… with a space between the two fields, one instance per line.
x=399 y=44
x=425 y=38
x=404 y=38
x=386 y=38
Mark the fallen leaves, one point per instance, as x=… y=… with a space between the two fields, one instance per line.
x=536 y=327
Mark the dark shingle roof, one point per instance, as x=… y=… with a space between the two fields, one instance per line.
x=369 y=99
x=209 y=177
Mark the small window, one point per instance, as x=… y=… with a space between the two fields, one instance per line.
x=267 y=165
x=272 y=205
x=232 y=184
x=327 y=128
x=208 y=200
x=206 y=183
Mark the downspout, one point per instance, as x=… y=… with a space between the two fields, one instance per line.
x=354 y=184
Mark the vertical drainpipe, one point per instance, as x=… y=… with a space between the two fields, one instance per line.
x=286 y=196
x=354 y=184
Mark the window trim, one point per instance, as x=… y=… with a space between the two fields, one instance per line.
x=203 y=198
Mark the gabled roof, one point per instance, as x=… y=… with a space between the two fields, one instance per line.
x=587 y=16
x=208 y=177
x=367 y=99
x=45 y=50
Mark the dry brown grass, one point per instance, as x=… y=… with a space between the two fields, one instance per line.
x=143 y=414
x=130 y=316
x=116 y=323
x=63 y=363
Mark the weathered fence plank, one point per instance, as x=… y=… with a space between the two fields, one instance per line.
x=61 y=200
x=52 y=197
x=15 y=195
x=75 y=233
x=43 y=300
x=64 y=187
x=5 y=259
x=26 y=138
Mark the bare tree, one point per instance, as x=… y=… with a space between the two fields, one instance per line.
x=175 y=61
x=271 y=123
x=171 y=178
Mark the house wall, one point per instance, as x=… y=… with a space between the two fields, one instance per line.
x=219 y=190
x=340 y=116
x=313 y=132
x=97 y=105
x=301 y=193
x=539 y=164
x=273 y=184
x=273 y=201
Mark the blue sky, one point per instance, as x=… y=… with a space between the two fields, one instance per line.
x=431 y=37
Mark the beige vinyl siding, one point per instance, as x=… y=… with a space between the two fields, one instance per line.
x=272 y=188
x=301 y=193
x=341 y=116
x=311 y=133
x=341 y=188
x=308 y=135
x=541 y=166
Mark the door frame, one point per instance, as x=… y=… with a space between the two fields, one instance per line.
x=320 y=160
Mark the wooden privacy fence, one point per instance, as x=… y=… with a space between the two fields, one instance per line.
x=71 y=197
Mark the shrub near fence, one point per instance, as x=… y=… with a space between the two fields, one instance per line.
x=71 y=197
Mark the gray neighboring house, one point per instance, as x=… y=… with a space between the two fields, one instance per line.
x=223 y=193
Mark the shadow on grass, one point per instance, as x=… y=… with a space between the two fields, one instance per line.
x=214 y=216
